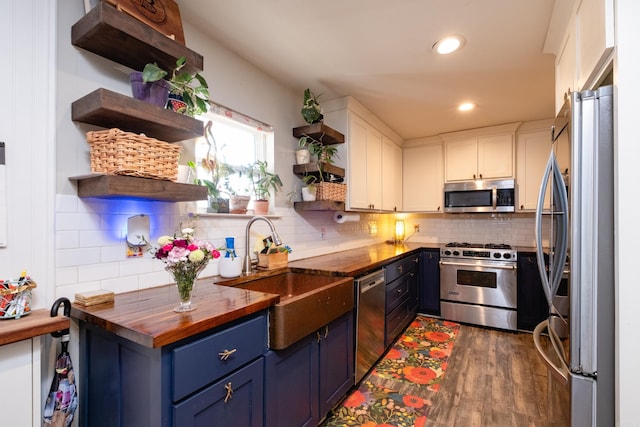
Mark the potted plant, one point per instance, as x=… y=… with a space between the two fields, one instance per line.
x=303 y=155
x=238 y=200
x=189 y=87
x=263 y=182
x=311 y=111
x=309 y=189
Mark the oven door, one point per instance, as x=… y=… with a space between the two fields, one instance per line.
x=489 y=283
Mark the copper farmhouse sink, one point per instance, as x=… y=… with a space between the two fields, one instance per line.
x=307 y=303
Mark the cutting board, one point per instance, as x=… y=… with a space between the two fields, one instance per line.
x=161 y=15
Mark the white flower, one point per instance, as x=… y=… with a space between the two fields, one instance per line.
x=196 y=256
x=187 y=231
x=163 y=240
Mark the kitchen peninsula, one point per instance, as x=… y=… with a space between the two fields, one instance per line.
x=163 y=367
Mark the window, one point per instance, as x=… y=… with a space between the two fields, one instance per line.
x=237 y=141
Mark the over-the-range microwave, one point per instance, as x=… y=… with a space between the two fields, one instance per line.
x=480 y=196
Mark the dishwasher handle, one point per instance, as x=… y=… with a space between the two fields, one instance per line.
x=369 y=282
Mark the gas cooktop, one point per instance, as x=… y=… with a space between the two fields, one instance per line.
x=483 y=251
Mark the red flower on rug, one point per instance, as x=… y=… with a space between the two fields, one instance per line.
x=394 y=353
x=419 y=375
x=354 y=400
x=413 y=401
x=437 y=336
x=437 y=353
x=420 y=422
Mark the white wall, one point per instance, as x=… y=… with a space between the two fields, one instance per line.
x=627 y=70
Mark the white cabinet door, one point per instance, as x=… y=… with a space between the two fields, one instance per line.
x=391 y=175
x=595 y=39
x=533 y=152
x=461 y=157
x=16 y=365
x=566 y=66
x=374 y=169
x=486 y=157
x=357 y=167
x=422 y=178
x=495 y=157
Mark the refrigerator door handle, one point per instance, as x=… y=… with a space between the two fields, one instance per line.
x=558 y=250
x=558 y=369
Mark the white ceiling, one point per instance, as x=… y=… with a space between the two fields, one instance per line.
x=379 y=52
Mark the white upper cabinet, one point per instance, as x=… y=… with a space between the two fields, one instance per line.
x=486 y=153
x=422 y=180
x=372 y=156
x=391 y=175
x=586 y=49
x=533 y=148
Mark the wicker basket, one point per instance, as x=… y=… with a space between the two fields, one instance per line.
x=15 y=298
x=331 y=191
x=115 y=152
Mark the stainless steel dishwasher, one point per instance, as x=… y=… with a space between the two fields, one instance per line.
x=370 y=297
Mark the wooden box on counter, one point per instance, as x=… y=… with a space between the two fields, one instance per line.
x=272 y=261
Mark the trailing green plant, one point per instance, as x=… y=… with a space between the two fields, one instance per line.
x=191 y=87
x=311 y=111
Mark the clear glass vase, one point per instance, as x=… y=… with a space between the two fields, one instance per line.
x=185 y=282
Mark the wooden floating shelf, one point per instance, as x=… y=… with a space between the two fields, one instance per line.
x=120 y=186
x=312 y=169
x=105 y=28
x=319 y=205
x=320 y=132
x=109 y=109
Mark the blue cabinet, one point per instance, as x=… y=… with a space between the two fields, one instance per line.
x=202 y=380
x=429 y=289
x=401 y=300
x=306 y=380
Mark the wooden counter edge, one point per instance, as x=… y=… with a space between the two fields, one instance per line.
x=38 y=322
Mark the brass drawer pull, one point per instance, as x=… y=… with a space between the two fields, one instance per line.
x=225 y=354
x=229 y=392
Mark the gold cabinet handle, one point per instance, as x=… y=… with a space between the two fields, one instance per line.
x=326 y=331
x=224 y=355
x=229 y=389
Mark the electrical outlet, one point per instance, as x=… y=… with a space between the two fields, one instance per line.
x=416 y=228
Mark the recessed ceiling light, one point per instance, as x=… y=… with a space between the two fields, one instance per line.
x=466 y=106
x=448 y=45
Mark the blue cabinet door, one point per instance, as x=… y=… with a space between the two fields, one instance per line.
x=236 y=400
x=429 y=289
x=291 y=385
x=336 y=362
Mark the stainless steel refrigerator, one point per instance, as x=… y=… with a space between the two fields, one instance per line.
x=578 y=222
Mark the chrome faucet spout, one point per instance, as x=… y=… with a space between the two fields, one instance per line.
x=274 y=236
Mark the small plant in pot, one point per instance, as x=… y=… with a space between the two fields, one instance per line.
x=190 y=88
x=303 y=154
x=309 y=189
x=263 y=182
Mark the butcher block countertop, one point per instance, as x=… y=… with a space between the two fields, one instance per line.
x=147 y=317
x=355 y=262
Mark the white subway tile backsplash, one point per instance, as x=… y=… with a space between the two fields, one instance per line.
x=94 y=272
x=77 y=257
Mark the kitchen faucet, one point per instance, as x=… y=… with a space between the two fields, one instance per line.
x=274 y=236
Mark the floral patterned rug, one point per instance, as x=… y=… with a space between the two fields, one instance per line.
x=397 y=391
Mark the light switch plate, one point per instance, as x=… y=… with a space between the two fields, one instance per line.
x=3 y=198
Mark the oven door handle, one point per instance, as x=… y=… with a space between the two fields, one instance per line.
x=462 y=264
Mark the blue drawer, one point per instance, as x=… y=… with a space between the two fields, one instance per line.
x=201 y=362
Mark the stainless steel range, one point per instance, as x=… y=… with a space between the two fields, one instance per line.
x=478 y=284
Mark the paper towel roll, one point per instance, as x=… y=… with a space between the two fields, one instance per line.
x=341 y=217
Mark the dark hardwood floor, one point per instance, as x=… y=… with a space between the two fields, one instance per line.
x=494 y=378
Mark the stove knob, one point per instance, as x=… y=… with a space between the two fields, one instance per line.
x=498 y=255
x=507 y=256
x=456 y=253
x=447 y=252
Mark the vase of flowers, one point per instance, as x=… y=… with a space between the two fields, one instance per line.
x=185 y=257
